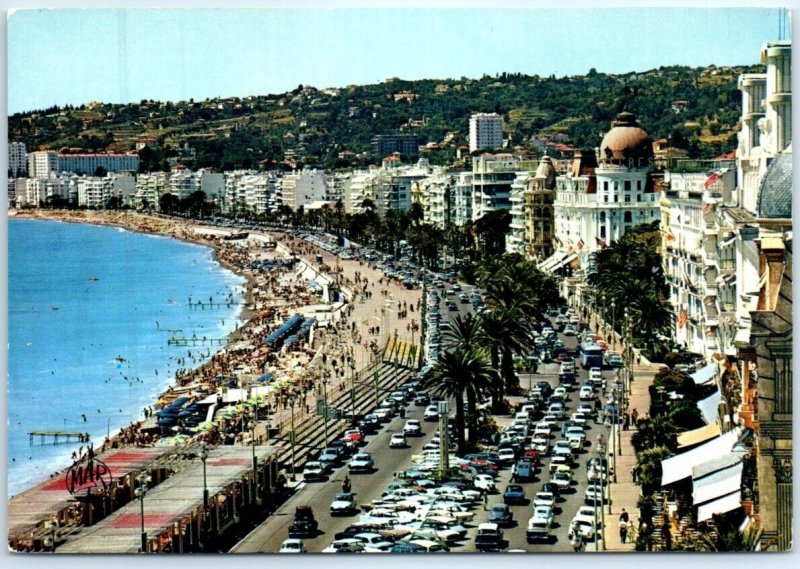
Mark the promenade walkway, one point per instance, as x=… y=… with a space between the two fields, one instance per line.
x=624 y=493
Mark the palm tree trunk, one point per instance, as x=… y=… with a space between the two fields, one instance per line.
x=497 y=389
x=472 y=418
x=460 y=422
x=510 y=379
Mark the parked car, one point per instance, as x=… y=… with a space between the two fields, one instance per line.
x=431 y=413
x=304 y=523
x=489 y=538
x=313 y=472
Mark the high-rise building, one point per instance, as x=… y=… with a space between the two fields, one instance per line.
x=385 y=144
x=17 y=160
x=42 y=164
x=485 y=131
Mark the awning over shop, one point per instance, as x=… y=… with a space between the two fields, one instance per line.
x=706 y=374
x=561 y=262
x=710 y=466
x=717 y=484
x=552 y=260
x=679 y=467
x=709 y=406
x=719 y=506
x=697 y=436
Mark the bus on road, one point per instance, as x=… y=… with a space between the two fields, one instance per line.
x=591 y=355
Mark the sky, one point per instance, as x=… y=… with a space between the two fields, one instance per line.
x=62 y=56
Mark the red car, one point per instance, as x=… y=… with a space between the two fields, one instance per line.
x=532 y=454
x=354 y=436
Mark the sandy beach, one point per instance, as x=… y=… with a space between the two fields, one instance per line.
x=372 y=312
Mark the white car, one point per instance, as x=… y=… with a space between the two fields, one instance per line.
x=586 y=408
x=561 y=478
x=431 y=413
x=541 y=444
x=484 y=482
x=583 y=526
x=507 y=455
x=412 y=428
x=596 y=375
x=542 y=430
x=561 y=392
x=374 y=541
x=544 y=499
x=586 y=393
x=361 y=462
x=593 y=493
x=549 y=420
x=344 y=504
x=350 y=544
x=579 y=418
x=313 y=471
x=292 y=545
x=398 y=440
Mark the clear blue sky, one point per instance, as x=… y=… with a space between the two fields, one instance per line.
x=75 y=56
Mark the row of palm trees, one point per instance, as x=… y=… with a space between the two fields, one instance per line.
x=628 y=276
x=478 y=360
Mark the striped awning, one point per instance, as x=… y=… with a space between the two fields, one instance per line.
x=717 y=484
x=709 y=407
x=719 y=506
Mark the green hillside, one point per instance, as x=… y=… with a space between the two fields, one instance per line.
x=315 y=126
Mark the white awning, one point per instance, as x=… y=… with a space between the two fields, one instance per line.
x=709 y=407
x=718 y=484
x=552 y=260
x=697 y=436
x=680 y=466
x=719 y=506
x=560 y=263
x=715 y=464
x=706 y=374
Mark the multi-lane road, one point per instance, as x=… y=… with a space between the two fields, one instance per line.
x=272 y=532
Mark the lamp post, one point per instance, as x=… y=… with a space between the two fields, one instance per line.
x=325 y=405
x=602 y=310
x=252 y=426
x=292 y=401
x=352 y=390
x=613 y=324
x=204 y=457
x=143 y=479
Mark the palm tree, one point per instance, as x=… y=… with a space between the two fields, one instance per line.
x=727 y=537
x=459 y=372
x=649 y=463
x=653 y=432
x=463 y=332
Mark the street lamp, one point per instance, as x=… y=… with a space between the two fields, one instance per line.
x=325 y=404
x=292 y=401
x=203 y=458
x=352 y=363
x=253 y=424
x=143 y=479
x=613 y=324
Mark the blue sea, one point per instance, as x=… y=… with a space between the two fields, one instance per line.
x=90 y=310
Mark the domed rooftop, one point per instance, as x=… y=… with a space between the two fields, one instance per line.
x=547 y=171
x=775 y=194
x=626 y=144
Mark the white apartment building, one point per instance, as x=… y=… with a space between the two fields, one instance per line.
x=17 y=160
x=516 y=236
x=338 y=187
x=93 y=192
x=183 y=182
x=42 y=164
x=302 y=188
x=694 y=258
x=39 y=189
x=436 y=196
x=485 y=131
x=150 y=187
x=89 y=163
x=461 y=213
x=251 y=191
x=492 y=176
x=392 y=188
x=360 y=188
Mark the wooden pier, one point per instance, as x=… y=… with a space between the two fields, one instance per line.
x=66 y=435
x=195 y=342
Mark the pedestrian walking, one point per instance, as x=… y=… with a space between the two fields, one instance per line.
x=634 y=416
x=626 y=421
x=623 y=516
x=623 y=531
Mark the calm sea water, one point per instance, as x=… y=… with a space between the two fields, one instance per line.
x=90 y=312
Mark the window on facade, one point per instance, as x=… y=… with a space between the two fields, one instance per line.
x=627 y=185
x=602 y=232
x=628 y=217
x=616 y=198
x=602 y=217
x=605 y=186
x=638 y=185
x=627 y=198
